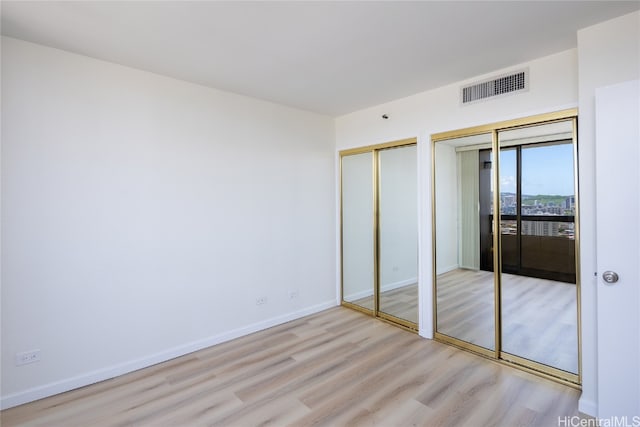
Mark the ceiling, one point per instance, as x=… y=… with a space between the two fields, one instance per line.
x=327 y=57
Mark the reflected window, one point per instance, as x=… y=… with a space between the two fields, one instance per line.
x=537 y=211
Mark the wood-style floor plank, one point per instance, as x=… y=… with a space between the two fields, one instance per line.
x=335 y=368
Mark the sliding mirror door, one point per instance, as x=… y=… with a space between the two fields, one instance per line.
x=379 y=226
x=398 y=233
x=505 y=220
x=464 y=282
x=538 y=246
x=358 y=255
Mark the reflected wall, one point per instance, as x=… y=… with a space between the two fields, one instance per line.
x=357 y=229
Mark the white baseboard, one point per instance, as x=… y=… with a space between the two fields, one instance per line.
x=396 y=285
x=358 y=295
x=391 y=286
x=448 y=269
x=93 y=377
x=588 y=407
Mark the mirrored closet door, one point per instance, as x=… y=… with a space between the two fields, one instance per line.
x=398 y=233
x=465 y=297
x=357 y=230
x=379 y=228
x=506 y=242
x=539 y=293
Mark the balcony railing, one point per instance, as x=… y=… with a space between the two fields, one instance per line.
x=543 y=246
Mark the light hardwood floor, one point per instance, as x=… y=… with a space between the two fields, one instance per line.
x=336 y=368
x=539 y=317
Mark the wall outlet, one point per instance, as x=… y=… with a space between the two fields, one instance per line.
x=27 y=357
x=261 y=300
x=293 y=294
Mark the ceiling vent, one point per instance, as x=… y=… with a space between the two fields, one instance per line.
x=496 y=86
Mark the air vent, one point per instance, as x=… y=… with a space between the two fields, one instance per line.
x=506 y=84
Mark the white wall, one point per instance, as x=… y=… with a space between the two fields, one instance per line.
x=142 y=216
x=608 y=53
x=553 y=86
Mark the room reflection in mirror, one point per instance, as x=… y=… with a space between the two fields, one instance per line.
x=465 y=303
x=379 y=230
x=506 y=235
x=538 y=246
x=357 y=230
x=398 y=232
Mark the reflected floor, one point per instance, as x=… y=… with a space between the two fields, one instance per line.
x=539 y=317
x=400 y=302
x=465 y=306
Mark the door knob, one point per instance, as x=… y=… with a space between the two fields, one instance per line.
x=610 y=277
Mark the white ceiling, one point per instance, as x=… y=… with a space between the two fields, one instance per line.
x=328 y=57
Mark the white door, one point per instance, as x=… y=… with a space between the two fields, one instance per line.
x=618 y=250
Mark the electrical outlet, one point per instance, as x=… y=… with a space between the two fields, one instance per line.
x=293 y=294
x=261 y=300
x=27 y=357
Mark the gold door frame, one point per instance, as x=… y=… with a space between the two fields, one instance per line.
x=375 y=150
x=497 y=354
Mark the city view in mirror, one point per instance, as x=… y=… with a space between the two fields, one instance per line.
x=547 y=189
